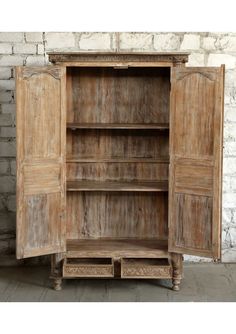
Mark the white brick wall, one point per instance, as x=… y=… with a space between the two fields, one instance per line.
x=207 y=49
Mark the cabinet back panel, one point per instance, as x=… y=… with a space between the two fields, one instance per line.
x=117 y=215
x=114 y=171
x=118 y=143
x=108 y=95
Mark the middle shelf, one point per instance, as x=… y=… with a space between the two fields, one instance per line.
x=88 y=185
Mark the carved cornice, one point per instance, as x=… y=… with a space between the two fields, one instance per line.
x=176 y=57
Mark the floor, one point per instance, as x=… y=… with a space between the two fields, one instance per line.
x=202 y=282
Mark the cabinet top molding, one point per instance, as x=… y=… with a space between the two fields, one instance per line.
x=67 y=57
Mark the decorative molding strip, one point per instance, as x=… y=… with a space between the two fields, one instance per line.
x=146 y=271
x=118 y=57
x=87 y=271
x=54 y=71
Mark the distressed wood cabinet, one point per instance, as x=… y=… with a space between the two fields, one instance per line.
x=119 y=162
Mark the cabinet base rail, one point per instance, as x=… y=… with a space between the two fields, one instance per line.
x=169 y=267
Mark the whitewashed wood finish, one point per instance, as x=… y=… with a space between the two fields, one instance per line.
x=196 y=135
x=41 y=144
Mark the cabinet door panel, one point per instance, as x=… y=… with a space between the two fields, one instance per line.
x=196 y=132
x=41 y=130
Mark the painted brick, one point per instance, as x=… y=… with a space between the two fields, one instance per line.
x=4 y=247
x=229 y=255
x=24 y=49
x=7 y=184
x=9 y=108
x=230 y=96
x=5 y=119
x=35 y=60
x=190 y=42
x=142 y=41
x=12 y=60
x=5 y=48
x=166 y=42
x=8 y=131
x=7 y=149
x=95 y=41
x=5 y=97
x=40 y=49
x=11 y=203
x=226 y=183
x=230 y=78
x=218 y=59
x=230 y=149
x=11 y=36
x=229 y=131
x=8 y=222
x=4 y=167
x=227 y=43
x=229 y=166
x=229 y=200
x=56 y=40
x=233 y=183
x=208 y=43
x=5 y=73
x=34 y=37
x=230 y=114
x=7 y=84
x=227 y=216
x=196 y=59
x=13 y=167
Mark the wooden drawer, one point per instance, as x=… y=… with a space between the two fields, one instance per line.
x=145 y=268
x=88 y=267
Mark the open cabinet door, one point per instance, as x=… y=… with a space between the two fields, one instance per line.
x=41 y=131
x=196 y=132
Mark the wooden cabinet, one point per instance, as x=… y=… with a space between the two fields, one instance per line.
x=119 y=162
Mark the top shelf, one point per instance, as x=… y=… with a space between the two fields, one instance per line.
x=152 y=126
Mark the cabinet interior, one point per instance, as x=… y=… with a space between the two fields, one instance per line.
x=117 y=153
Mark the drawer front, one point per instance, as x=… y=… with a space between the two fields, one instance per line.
x=145 y=268
x=88 y=268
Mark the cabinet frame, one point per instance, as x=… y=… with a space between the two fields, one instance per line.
x=166 y=248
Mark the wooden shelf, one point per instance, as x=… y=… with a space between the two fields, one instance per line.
x=117 y=248
x=117 y=186
x=147 y=126
x=119 y=160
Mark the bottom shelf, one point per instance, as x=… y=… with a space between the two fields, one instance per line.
x=117 y=248
x=127 y=258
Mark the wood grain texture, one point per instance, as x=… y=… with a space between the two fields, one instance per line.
x=41 y=144
x=118 y=96
x=117 y=215
x=117 y=186
x=118 y=58
x=138 y=248
x=116 y=171
x=195 y=161
x=145 y=268
x=88 y=268
x=129 y=126
x=117 y=144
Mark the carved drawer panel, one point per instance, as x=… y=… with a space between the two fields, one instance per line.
x=88 y=267
x=145 y=268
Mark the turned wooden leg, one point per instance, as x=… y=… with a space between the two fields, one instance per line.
x=176 y=284
x=56 y=271
x=177 y=265
x=57 y=283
